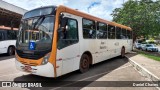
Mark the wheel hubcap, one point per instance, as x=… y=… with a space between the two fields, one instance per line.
x=10 y=51
x=84 y=63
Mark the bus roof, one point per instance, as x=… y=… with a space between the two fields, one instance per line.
x=7 y=28
x=62 y=8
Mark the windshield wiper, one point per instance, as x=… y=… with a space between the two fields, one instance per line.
x=39 y=21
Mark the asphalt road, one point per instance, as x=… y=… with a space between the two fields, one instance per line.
x=115 y=69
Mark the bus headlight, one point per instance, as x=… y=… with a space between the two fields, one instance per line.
x=45 y=59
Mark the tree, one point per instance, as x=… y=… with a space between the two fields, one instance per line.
x=143 y=16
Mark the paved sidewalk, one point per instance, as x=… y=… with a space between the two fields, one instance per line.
x=124 y=73
x=151 y=65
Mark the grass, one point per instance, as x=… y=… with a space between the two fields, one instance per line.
x=152 y=57
x=149 y=56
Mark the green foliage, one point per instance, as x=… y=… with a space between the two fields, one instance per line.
x=151 y=41
x=143 y=16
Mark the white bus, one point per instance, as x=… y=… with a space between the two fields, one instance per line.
x=54 y=41
x=7 y=40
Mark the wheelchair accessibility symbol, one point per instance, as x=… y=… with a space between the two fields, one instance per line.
x=31 y=45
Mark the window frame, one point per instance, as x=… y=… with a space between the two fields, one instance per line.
x=112 y=32
x=10 y=34
x=95 y=25
x=1 y=39
x=119 y=33
x=70 y=39
x=3 y=35
x=130 y=33
x=125 y=33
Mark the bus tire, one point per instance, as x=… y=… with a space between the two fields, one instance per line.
x=123 y=52
x=84 y=63
x=10 y=50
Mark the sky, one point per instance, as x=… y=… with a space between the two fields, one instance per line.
x=99 y=8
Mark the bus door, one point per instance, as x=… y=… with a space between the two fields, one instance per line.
x=68 y=45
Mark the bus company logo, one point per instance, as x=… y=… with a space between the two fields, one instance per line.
x=6 y=84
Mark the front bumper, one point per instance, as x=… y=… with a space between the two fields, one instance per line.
x=46 y=70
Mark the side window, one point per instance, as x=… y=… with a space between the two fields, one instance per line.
x=72 y=31
x=69 y=35
x=124 y=35
x=89 y=29
x=1 y=36
x=11 y=35
x=128 y=34
x=111 y=32
x=118 y=33
x=101 y=31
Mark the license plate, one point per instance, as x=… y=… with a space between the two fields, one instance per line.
x=27 y=68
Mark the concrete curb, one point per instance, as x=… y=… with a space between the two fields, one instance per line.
x=144 y=71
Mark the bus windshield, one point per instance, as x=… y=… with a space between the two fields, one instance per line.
x=36 y=33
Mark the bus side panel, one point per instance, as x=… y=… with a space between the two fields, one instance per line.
x=118 y=44
x=129 y=45
x=5 y=44
x=111 y=47
x=66 y=59
x=59 y=65
x=3 y=48
x=102 y=50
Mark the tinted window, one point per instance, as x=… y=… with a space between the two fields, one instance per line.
x=89 y=29
x=101 y=31
x=128 y=34
x=111 y=32
x=118 y=32
x=70 y=35
x=38 y=12
x=40 y=33
x=1 y=36
x=131 y=35
x=11 y=34
x=124 y=34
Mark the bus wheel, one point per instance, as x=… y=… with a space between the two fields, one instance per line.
x=122 y=52
x=84 y=63
x=10 y=51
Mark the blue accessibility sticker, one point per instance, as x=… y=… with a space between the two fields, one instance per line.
x=32 y=45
